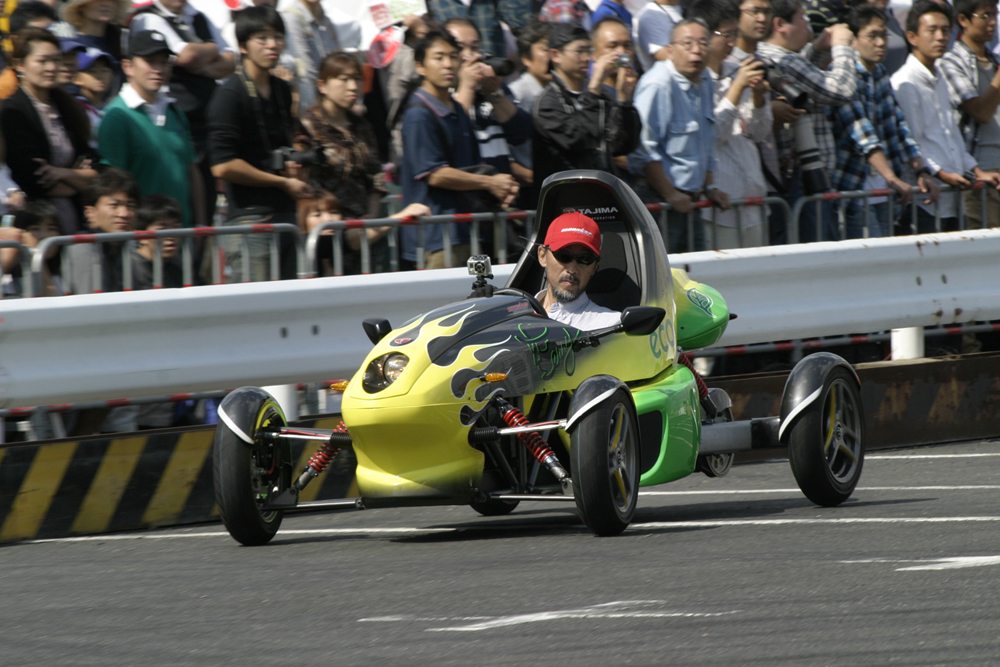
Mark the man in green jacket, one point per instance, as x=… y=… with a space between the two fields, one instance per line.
x=147 y=135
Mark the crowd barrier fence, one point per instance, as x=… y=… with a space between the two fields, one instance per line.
x=501 y=231
x=24 y=259
x=891 y=195
x=187 y=251
x=308 y=247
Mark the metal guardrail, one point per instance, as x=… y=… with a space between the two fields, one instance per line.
x=126 y=240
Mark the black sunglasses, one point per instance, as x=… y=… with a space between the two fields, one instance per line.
x=565 y=258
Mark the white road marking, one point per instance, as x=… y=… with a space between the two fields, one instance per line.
x=953 y=563
x=619 y=609
x=725 y=492
x=900 y=457
x=795 y=522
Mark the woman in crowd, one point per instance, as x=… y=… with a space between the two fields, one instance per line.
x=349 y=168
x=98 y=23
x=45 y=131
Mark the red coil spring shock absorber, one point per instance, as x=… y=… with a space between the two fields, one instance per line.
x=532 y=441
x=320 y=460
x=702 y=387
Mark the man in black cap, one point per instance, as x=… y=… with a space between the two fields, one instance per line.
x=147 y=135
x=578 y=124
x=202 y=59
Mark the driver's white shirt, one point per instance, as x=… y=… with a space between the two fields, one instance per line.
x=582 y=313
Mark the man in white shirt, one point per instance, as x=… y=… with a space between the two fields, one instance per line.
x=922 y=92
x=570 y=257
x=652 y=30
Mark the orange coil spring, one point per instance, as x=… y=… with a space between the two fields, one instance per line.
x=702 y=387
x=531 y=440
x=321 y=459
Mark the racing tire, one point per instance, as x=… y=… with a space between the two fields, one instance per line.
x=604 y=451
x=249 y=475
x=826 y=446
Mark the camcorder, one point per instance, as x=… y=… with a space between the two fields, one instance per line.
x=814 y=178
x=279 y=156
x=623 y=61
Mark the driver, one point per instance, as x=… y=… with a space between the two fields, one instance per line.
x=570 y=257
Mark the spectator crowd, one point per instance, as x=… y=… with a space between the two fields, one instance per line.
x=120 y=116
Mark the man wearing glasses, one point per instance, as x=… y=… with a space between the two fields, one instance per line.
x=578 y=123
x=874 y=142
x=974 y=82
x=677 y=152
x=570 y=257
x=754 y=24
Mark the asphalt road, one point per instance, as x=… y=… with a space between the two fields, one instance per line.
x=735 y=571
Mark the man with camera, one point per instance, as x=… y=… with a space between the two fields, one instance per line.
x=806 y=146
x=677 y=152
x=250 y=133
x=441 y=157
x=498 y=121
x=578 y=124
x=147 y=135
x=873 y=138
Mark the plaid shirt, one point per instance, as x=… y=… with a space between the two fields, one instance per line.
x=824 y=88
x=487 y=15
x=961 y=70
x=872 y=121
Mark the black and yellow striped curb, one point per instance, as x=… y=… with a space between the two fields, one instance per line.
x=915 y=402
x=98 y=485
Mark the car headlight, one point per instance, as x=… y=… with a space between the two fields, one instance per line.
x=383 y=371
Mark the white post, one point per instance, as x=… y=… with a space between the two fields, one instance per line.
x=908 y=343
x=287 y=396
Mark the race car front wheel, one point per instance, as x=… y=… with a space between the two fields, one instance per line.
x=826 y=447
x=604 y=450
x=250 y=469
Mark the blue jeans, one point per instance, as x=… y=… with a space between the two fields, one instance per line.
x=807 y=222
x=677 y=232
x=878 y=219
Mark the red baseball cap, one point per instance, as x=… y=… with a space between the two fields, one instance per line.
x=570 y=228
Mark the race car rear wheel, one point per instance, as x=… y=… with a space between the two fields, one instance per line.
x=249 y=475
x=826 y=446
x=604 y=451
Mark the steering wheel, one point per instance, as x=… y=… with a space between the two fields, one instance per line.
x=513 y=291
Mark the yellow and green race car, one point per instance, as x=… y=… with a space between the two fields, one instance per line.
x=488 y=402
